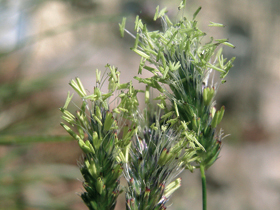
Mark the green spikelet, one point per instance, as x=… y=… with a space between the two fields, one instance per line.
x=104 y=154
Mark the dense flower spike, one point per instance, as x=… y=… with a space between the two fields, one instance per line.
x=158 y=155
x=180 y=62
x=183 y=71
x=97 y=137
x=177 y=132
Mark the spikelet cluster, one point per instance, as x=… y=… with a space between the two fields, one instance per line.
x=183 y=71
x=98 y=136
x=158 y=155
x=151 y=148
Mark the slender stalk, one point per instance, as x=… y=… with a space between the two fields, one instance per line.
x=204 y=193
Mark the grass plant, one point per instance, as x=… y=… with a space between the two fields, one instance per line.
x=176 y=131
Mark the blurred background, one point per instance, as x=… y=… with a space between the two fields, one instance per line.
x=44 y=44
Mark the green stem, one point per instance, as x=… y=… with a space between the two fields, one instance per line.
x=204 y=193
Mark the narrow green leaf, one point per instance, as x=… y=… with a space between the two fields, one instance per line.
x=122 y=26
x=68 y=100
x=196 y=12
x=156 y=13
x=212 y=24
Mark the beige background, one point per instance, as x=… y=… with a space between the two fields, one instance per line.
x=77 y=37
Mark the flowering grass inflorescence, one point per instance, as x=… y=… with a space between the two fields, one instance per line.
x=151 y=148
x=150 y=154
x=181 y=62
x=183 y=72
x=159 y=153
x=99 y=138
